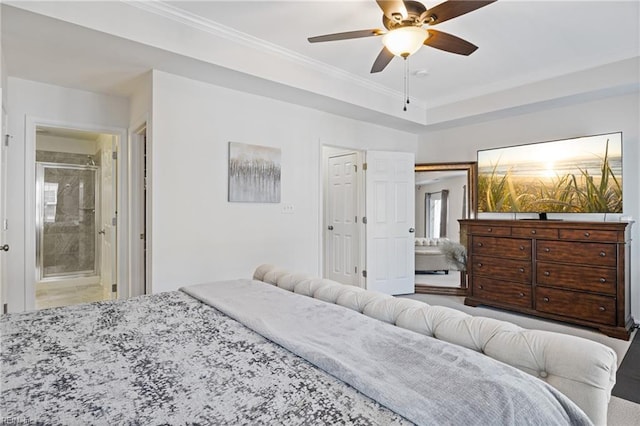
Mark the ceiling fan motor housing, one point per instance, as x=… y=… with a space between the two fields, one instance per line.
x=415 y=17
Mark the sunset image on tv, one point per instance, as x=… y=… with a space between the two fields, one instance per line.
x=581 y=175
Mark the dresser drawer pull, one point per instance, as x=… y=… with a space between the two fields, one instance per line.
x=479 y=265
x=603 y=280
x=520 y=294
x=602 y=254
x=547 y=273
x=601 y=309
x=521 y=247
x=521 y=269
x=547 y=249
x=546 y=299
x=480 y=244
x=480 y=287
x=489 y=229
x=533 y=231
x=586 y=234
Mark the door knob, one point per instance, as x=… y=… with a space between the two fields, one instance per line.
x=101 y=232
x=4 y=247
x=412 y=230
x=330 y=227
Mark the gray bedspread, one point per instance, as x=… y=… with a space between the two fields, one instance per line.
x=171 y=359
x=164 y=359
x=427 y=381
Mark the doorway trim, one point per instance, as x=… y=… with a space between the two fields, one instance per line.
x=122 y=230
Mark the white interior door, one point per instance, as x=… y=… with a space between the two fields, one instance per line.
x=341 y=232
x=390 y=200
x=3 y=210
x=108 y=216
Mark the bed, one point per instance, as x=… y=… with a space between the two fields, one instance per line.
x=287 y=348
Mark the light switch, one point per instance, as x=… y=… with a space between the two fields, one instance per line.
x=288 y=209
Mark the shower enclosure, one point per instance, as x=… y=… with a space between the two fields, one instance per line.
x=66 y=221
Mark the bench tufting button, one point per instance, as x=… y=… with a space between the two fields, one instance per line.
x=543 y=374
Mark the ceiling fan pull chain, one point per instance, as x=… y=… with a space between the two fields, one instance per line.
x=406 y=92
x=406 y=73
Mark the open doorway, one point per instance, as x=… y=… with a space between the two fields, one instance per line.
x=76 y=192
x=140 y=282
x=368 y=220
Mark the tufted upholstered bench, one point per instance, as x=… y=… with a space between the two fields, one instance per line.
x=583 y=370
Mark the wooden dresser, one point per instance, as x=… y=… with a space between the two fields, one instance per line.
x=575 y=272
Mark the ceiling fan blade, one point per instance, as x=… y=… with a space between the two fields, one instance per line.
x=449 y=43
x=345 y=36
x=393 y=9
x=383 y=59
x=452 y=9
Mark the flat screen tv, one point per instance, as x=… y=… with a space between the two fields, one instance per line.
x=579 y=175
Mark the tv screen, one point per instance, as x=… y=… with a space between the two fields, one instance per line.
x=579 y=175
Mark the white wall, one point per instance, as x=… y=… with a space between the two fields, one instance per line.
x=30 y=102
x=620 y=113
x=140 y=100
x=197 y=235
x=3 y=70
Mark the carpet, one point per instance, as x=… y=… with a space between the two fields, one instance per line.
x=628 y=375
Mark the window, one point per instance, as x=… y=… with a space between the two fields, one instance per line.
x=50 y=201
x=436 y=213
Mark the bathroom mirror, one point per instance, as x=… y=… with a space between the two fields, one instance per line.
x=445 y=192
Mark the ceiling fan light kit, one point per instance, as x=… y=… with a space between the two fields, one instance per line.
x=405 y=41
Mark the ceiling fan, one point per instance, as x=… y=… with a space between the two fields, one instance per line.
x=404 y=21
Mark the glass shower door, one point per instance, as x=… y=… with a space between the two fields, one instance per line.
x=66 y=221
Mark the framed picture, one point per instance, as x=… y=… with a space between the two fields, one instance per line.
x=254 y=173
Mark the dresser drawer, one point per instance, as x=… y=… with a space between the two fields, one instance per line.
x=596 y=254
x=501 y=247
x=502 y=291
x=588 y=307
x=589 y=235
x=534 y=232
x=599 y=280
x=490 y=230
x=506 y=269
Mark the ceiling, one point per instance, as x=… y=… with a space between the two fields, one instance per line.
x=520 y=42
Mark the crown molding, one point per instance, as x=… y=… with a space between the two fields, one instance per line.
x=217 y=29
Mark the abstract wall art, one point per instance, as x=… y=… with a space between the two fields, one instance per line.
x=254 y=173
